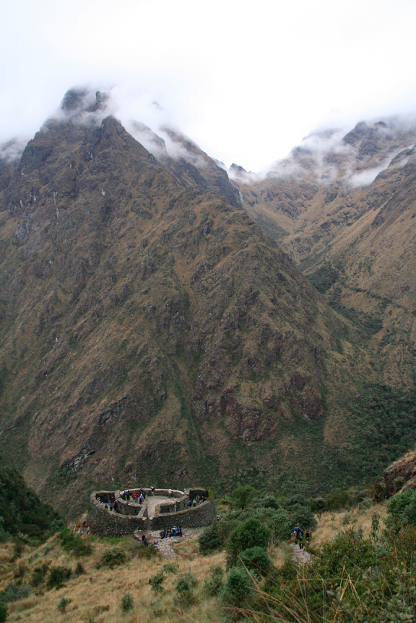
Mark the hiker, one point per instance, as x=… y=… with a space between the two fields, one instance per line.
x=194 y=502
x=189 y=503
x=170 y=493
x=141 y=499
x=308 y=536
x=116 y=506
x=153 y=490
x=144 y=539
x=136 y=497
x=297 y=532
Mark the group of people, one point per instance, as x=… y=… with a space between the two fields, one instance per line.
x=298 y=534
x=196 y=500
x=138 y=497
x=168 y=532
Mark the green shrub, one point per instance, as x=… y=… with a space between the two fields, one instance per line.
x=3 y=612
x=127 y=603
x=256 y=559
x=237 y=587
x=249 y=533
x=38 y=575
x=184 y=593
x=401 y=510
x=210 y=539
x=302 y=516
x=337 y=501
x=71 y=542
x=58 y=576
x=280 y=523
x=156 y=582
x=63 y=602
x=19 y=571
x=18 y=547
x=79 y=569
x=113 y=558
x=170 y=567
x=4 y=535
x=14 y=592
x=244 y=494
x=213 y=583
x=268 y=501
x=297 y=500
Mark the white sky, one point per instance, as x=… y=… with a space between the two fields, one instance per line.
x=245 y=80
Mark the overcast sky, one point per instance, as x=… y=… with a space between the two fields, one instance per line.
x=245 y=80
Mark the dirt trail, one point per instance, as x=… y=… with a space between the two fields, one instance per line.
x=164 y=546
x=300 y=556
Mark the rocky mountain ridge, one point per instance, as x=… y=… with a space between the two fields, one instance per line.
x=151 y=333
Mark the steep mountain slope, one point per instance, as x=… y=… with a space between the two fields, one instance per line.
x=342 y=206
x=150 y=331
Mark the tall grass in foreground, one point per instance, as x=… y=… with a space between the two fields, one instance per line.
x=352 y=579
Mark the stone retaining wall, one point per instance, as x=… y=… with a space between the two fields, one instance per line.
x=106 y=523
x=196 y=517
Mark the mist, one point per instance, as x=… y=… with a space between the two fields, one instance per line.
x=245 y=81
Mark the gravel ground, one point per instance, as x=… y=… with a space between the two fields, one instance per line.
x=164 y=546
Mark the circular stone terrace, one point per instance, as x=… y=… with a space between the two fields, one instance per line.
x=120 y=512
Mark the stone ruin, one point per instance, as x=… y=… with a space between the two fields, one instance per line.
x=161 y=508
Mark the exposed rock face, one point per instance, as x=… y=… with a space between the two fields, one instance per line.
x=403 y=470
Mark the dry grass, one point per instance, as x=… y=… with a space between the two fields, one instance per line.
x=96 y=596
x=330 y=523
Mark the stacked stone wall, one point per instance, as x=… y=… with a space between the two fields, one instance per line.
x=106 y=523
x=196 y=517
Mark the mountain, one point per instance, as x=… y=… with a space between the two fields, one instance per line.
x=151 y=333
x=342 y=205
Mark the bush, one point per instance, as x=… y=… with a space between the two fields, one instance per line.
x=297 y=499
x=19 y=571
x=79 y=569
x=184 y=594
x=156 y=582
x=281 y=524
x=63 y=602
x=14 y=592
x=209 y=540
x=256 y=559
x=244 y=494
x=337 y=500
x=249 y=533
x=302 y=516
x=237 y=587
x=401 y=510
x=113 y=558
x=58 y=576
x=127 y=603
x=71 y=542
x=4 y=535
x=38 y=575
x=3 y=612
x=268 y=501
x=18 y=547
x=170 y=567
x=213 y=583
